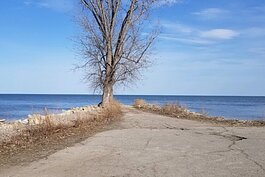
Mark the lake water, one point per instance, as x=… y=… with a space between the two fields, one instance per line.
x=18 y=106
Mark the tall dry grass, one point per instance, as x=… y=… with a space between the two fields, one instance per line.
x=139 y=103
x=112 y=110
x=178 y=111
x=48 y=133
x=108 y=113
x=167 y=109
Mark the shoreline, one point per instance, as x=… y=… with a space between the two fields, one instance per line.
x=41 y=136
x=147 y=144
x=71 y=122
x=180 y=112
x=93 y=109
x=231 y=108
x=65 y=118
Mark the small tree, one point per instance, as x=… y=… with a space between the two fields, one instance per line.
x=112 y=44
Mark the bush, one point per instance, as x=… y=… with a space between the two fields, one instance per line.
x=139 y=103
x=112 y=110
x=173 y=109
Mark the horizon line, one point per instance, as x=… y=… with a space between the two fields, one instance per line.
x=134 y=94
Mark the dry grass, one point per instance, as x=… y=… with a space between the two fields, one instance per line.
x=178 y=111
x=173 y=109
x=40 y=140
x=112 y=110
x=139 y=103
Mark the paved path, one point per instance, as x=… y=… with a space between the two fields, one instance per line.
x=145 y=144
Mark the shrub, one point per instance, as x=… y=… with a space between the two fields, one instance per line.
x=113 y=109
x=139 y=103
x=173 y=109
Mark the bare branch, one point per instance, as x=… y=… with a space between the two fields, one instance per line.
x=112 y=45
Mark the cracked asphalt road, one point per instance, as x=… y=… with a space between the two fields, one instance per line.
x=145 y=144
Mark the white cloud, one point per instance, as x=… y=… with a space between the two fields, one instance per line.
x=219 y=34
x=210 y=13
x=175 y=31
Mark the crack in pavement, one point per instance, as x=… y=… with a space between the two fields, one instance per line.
x=234 y=139
x=167 y=126
x=247 y=157
x=227 y=134
x=148 y=142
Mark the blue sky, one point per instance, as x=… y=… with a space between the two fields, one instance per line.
x=206 y=47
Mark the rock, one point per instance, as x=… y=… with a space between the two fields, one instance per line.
x=25 y=121
x=18 y=121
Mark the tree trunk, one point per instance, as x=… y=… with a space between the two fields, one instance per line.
x=107 y=96
x=108 y=83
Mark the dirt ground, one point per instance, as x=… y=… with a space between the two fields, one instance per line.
x=145 y=144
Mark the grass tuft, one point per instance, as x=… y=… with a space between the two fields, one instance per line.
x=112 y=110
x=139 y=103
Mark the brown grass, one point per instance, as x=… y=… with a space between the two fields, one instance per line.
x=173 y=109
x=38 y=141
x=139 y=103
x=178 y=111
x=112 y=110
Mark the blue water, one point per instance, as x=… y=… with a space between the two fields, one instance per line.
x=15 y=106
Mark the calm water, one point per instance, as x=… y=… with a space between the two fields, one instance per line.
x=14 y=107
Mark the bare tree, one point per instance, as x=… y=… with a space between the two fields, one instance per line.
x=113 y=45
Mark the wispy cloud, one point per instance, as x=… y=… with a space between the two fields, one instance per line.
x=194 y=41
x=210 y=13
x=28 y=3
x=58 y=5
x=219 y=34
x=175 y=31
x=168 y=2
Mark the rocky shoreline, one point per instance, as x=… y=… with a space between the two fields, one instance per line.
x=143 y=144
x=66 y=118
x=180 y=112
